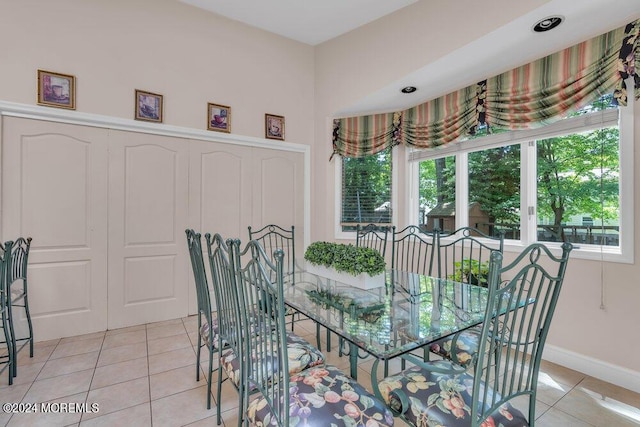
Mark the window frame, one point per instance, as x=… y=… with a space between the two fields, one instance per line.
x=623 y=117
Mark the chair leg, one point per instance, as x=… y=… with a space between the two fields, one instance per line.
x=13 y=367
x=209 y=376
x=318 y=337
x=198 y=356
x=244 y=400
x=7 y=338
x=29 y=323
x=219 y=393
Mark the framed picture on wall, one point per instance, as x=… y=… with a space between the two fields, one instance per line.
x=219 y=117
x=148 y=106
x=56 y=90
x=274 y=127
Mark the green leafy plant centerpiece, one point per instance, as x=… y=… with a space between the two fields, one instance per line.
x=346 y=258
x=358 y=266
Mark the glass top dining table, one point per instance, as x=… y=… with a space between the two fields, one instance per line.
x=409 y=312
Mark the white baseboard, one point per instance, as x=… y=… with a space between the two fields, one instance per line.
x=596 y=368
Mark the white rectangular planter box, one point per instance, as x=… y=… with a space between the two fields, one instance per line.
x=362 y=281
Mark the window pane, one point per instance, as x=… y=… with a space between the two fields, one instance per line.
x=579 y=188
x=494 y=191
x=437 y=193
x=366 y=190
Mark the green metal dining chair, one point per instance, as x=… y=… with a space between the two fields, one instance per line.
x=228 y=336
x=506 y=366
x=372 y=236
x=315 y=396
x=413 y=250
x=6 y=354
x=18 y=311
x=273 y=237
x=234 y=312
x=208 y=328
x=463 y=256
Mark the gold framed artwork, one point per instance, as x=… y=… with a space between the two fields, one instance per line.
x=274 y=127
x=148 y=106
x=56 y=90
x=218 y=117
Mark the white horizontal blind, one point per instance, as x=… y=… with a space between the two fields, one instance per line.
x=366 y=190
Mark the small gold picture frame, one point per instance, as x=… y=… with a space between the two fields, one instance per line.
x=274 y=127
x=148 y=106
x=56 y=90
x=218 y=117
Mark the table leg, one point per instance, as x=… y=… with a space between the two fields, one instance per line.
x=353 y=360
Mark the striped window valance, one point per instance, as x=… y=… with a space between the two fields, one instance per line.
x=366 y=135
x=529 y=96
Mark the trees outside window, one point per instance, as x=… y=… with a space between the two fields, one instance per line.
x=576 y=182
x=366 y=190
x=579 y=188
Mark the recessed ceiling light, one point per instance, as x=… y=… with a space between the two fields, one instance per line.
x=547 y=24
x=408 y=89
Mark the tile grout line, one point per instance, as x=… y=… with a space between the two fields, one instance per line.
x=146 y=341
x=34 y=379
x=565 y=395
x=93 y=375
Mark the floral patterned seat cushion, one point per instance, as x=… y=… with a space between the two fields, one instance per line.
x=322 y=397
x=466 y=346
x=205 y=332
x=302 y=355
x=437 y=399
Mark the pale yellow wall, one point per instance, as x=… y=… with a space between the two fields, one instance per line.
x=164 y=46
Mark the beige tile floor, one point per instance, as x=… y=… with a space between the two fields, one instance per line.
x=145 y=376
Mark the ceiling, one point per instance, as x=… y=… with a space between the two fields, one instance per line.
x=307 y=21
x=316 y=21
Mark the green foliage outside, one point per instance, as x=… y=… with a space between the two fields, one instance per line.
x=578 y=174
x=366 y=186
x=346 y=258
x=471 y=271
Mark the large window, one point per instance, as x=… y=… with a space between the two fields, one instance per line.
x=559 y=183
x=568 y=181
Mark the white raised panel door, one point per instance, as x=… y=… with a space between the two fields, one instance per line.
x=221 y=180
x=278 y=191
x=54 y=190
x=220 y=195
x=148 y=197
